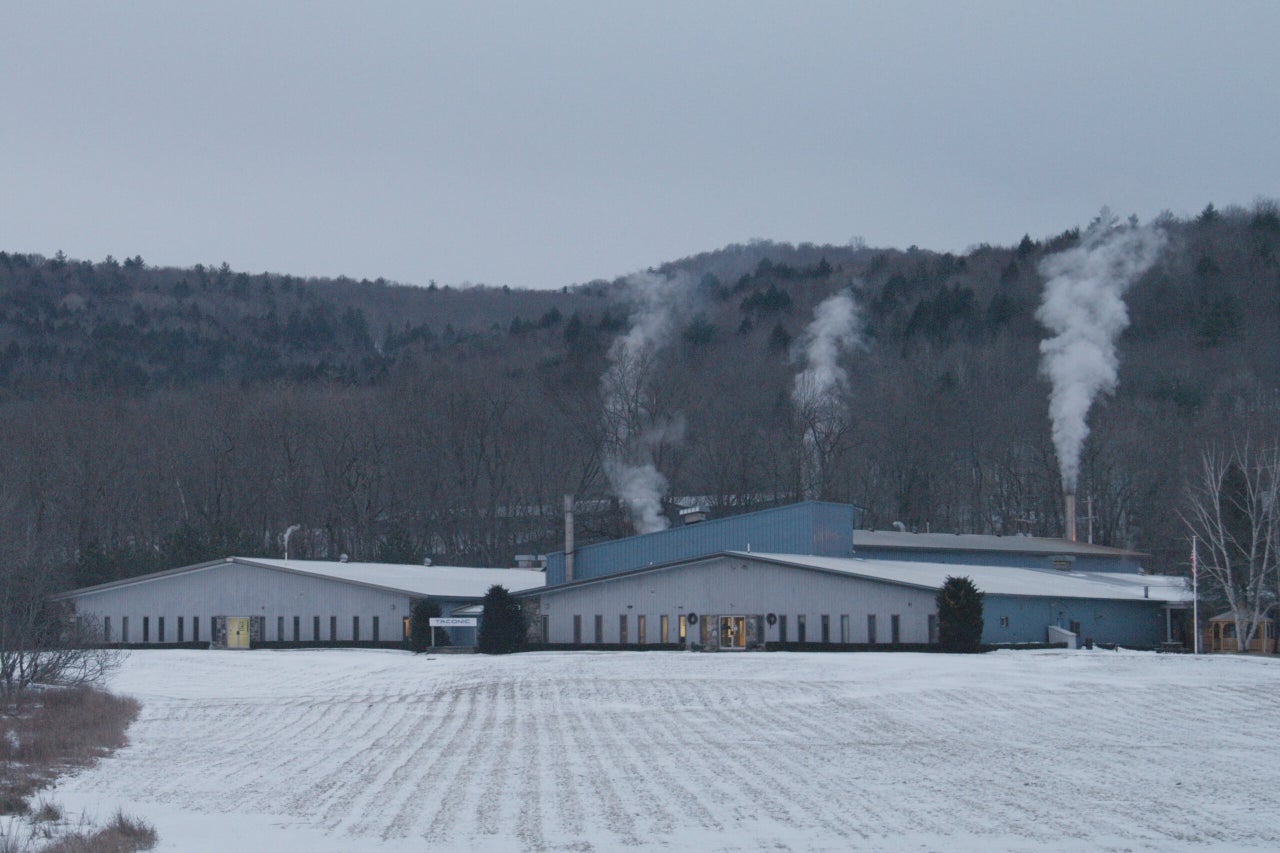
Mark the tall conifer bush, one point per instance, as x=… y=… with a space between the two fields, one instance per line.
x=959 y=615
x=502 y=629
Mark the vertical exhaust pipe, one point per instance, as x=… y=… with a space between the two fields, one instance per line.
x=568 y=538
x=1069 y=498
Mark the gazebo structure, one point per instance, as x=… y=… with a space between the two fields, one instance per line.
x=1221 y=635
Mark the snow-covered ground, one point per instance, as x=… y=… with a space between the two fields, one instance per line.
x=353 y=750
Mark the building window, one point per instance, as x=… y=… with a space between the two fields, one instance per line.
x=663 y=636
x=1004 y=621
x=315 y=628
x=599 y=628
x=195 y=629
x=106 y=629
x=376 y=633
x=406 y=627
x=800 y=628
x=181 y=636
x=871 y=629
x=333 y=629
x=933 y=627
x=844 y=628
x=546 y=628
x=146 y=629
x=577 y=629
x=160 y=629
x=622 y=629
x=895 y=629
x=782 y=628
x=826 y=628
x=124 y=629
x=355 y=629
x=640 y=630
x=280 y=629
x=682 y=628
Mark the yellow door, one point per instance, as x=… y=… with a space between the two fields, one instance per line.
x=237 y=632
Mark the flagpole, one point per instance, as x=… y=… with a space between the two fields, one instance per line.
x=1195 y=598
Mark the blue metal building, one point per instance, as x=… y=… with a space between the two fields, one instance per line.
x=811 y=527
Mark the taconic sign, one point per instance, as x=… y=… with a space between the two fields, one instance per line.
x=453 y=622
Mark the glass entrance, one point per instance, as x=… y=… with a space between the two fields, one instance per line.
x=733 y=632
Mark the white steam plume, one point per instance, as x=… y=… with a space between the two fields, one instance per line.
x=817 y=390
x=835 y=328
x=634 y=431
x=1083 y=306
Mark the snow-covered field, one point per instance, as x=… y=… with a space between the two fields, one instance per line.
x=352 y=750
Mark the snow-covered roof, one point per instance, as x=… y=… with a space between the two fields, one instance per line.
x=998 y=580
x=434 y=581
x=438 y=581
x=982 y=542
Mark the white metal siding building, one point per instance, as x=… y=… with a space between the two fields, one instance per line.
x=285 y=601
x=792 y=598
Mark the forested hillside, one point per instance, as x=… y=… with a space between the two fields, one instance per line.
x=153 y=417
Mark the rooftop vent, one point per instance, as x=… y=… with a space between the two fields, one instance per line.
x=694 y=515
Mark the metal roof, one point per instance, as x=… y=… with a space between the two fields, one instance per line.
x=1000 y=580
x=980 y=542
x=451 y=582
x=994 y=580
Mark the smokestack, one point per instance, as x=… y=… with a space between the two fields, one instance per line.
x=1069 y=498
x=568 y=538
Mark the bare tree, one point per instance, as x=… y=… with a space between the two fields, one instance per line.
x=1232 y=508
x=42 y=642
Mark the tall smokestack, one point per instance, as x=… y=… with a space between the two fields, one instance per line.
x=1069 y=498
x=568 y=538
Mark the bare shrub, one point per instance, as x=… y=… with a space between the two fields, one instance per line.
x=47 y=731
x=46 y=811
x=124 y=834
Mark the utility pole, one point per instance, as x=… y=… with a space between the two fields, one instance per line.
x=1195 y=598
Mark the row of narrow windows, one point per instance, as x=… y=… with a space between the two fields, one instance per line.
x=801 y=625
x=180 y=624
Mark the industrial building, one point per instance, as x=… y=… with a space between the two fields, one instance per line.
x=241 y=602
x=803 y=574
x=795 y=575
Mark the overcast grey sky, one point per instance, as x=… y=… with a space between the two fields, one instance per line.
x=543 y=144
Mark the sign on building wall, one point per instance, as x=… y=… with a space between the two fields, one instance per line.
x=453 y=622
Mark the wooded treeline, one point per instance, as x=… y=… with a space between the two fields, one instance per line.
x=156 y=417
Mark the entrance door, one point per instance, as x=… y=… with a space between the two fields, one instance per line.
x=237 y=632
x=733 y=632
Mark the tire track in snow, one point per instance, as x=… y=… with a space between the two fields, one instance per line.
x=421 y=771
x=463 y=749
